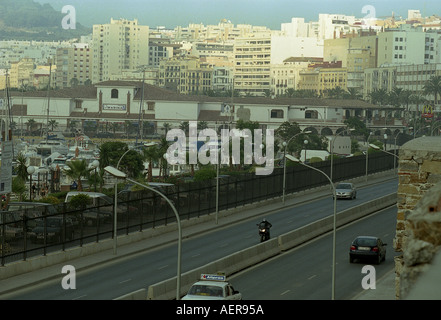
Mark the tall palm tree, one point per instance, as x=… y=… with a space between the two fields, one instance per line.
x=77 y=169
x=162 y=149
x=151 y=155
x=22 y=172
x=53 y=124
x=433 y=87
x=31 y=124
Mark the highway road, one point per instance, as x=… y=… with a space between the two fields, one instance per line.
x=305 y=273
x=129 y=274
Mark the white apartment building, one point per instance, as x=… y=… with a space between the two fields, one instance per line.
x=252 y=60
x=225 y=31
x=120 y=45
x=432 y=49
x=283 y=47
x=405 y=45
x=333 y=25
x=222 y=78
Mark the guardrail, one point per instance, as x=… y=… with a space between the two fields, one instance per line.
x=166 y=290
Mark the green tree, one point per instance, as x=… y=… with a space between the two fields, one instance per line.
x=22 y=172
x=77 y=169
x=433 y=87
x=358 y=125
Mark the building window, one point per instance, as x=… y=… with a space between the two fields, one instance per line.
x=114 y=94
x=276 y=114
x=311 y=114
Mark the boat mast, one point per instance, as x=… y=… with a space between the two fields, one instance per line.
x=48 y=101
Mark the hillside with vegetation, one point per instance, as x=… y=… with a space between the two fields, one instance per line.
x=29 y=20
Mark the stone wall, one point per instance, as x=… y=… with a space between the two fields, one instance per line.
x=418 y=231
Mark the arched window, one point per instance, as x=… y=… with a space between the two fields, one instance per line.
x=114 y=94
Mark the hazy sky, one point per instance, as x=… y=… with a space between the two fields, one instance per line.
x=270 y=13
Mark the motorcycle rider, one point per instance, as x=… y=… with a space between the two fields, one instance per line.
x=265 y=224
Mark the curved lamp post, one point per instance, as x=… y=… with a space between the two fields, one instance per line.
x=121 y=175
x=331 y=147
x=334 y=232
x=373 y=146
x=115 y=211
x=285 y=146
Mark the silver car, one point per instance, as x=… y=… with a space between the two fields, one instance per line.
x=346 y=190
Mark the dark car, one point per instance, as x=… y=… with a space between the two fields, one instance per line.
x=56 y=230
x=369 y=248
x=346 y=190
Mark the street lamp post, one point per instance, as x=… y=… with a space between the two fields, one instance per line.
x=334 y=230
x=121 y=175
x=367 y=154
x=285 y=146
x=95 y=165
x=115 y=211
x=30 y=171
x=334 y=137
x=373 y=146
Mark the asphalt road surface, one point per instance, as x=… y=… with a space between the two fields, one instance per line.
x=305 y=273
x=129 y=274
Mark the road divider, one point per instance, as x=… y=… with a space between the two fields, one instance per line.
x=166 y=290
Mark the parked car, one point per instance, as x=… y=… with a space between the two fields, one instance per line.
x=56 y=230
x=369 y=248
x=346 y=190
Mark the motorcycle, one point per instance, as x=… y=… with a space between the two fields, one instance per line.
x=263 y=232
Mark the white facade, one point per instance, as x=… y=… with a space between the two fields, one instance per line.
x=283 y=47
x=404 y=46
x=120 y=45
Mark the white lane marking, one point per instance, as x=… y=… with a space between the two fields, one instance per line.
x=285 y=292
x=84 y=295
x=125 y=281
x=312 y=277
x=196 y=255
x=163 y=267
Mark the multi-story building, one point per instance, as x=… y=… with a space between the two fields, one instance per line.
x=21 y=72
x=225 y=31
x=159 y=49
x=186 y=75
x=120 y=45
x=410 y=77
x=74 y=65
x=323 y=77
x=356 y=54
x=432 y=49
x=404 y=45
x=286 y=76
x=252 y=60
x=382 y=78
x=223 y=77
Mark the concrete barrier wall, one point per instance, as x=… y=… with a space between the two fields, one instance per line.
x=166 y=290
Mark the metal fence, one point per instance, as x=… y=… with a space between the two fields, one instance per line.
x=31 y=233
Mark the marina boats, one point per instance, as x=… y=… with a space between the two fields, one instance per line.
x=49 y=146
